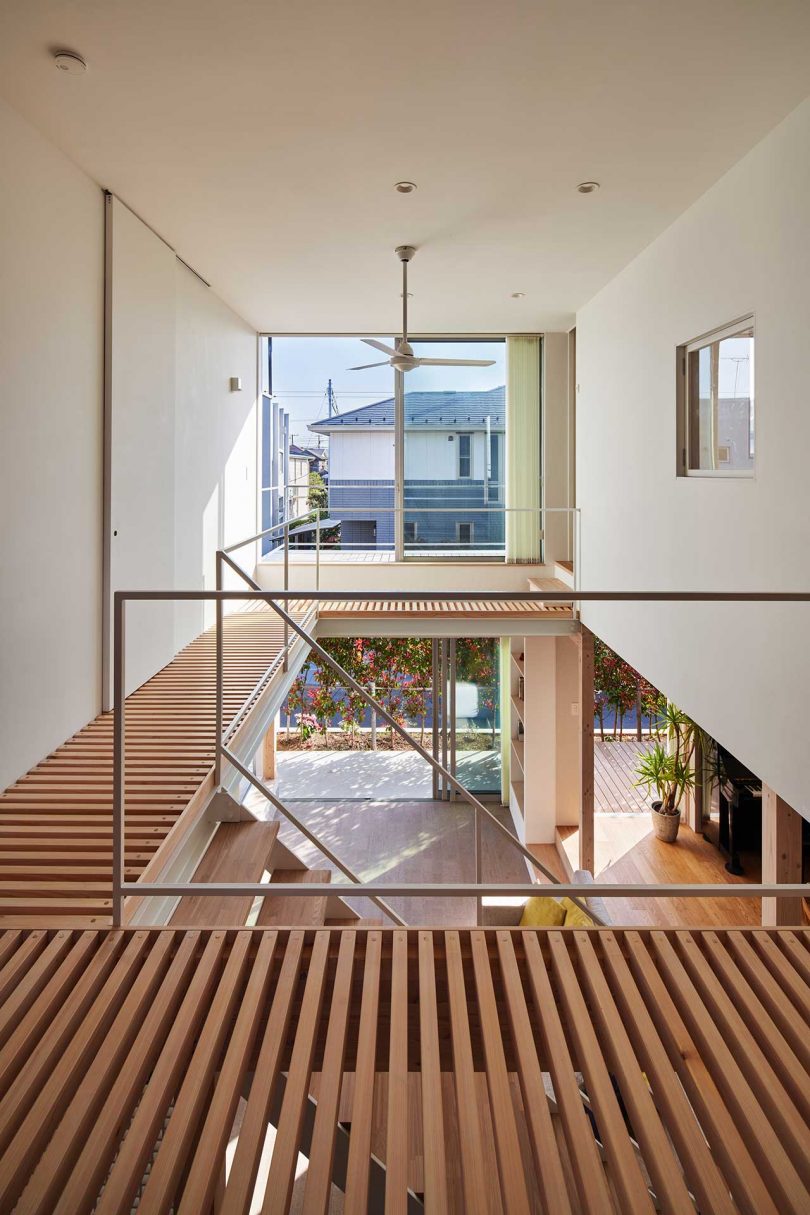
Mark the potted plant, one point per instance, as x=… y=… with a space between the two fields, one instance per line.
x=668 y=771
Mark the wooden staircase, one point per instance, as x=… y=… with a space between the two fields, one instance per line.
x=252 y=852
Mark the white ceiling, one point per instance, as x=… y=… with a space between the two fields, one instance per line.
x=262 y=138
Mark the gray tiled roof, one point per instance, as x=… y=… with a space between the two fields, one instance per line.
x=457 y=410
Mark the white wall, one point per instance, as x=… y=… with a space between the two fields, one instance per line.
x=215 y=431
x=183 y=446
x=743 y=672
x=51 y=366
x=347 y=576
x=141 y=433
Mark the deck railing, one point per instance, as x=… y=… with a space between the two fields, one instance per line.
x=379 y=891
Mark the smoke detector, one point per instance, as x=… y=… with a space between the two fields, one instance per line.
x=70 y=62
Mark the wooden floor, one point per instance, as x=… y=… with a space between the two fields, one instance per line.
x=56 y=821
x=483 y=1071
x=403 y=841
x=690 y=859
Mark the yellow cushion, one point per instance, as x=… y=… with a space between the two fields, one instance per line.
x=542 y=913
x=574 y=918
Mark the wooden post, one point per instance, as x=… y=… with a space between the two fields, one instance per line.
x=694 y=797
x=586 y=708
x=781 y=856
x=269 y=751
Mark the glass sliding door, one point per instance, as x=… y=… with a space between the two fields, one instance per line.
x=467 y=730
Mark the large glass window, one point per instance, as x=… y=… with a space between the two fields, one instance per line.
x=717 y=401
x=455 y=422
x=329 y=437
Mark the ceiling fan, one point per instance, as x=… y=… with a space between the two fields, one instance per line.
x=401 y=357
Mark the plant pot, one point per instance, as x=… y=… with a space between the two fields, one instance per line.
x=665 y=826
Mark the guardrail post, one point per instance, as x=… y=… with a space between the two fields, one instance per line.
x=220 y=667
x=119 y=760
x=286 y=588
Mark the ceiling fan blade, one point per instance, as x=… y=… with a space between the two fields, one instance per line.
x=379 y=345
x=363 y=366
x=456 y=362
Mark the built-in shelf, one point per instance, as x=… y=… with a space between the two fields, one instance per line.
x=519 y=663
x=517 y=752
x=517 y=793
x=517 y=705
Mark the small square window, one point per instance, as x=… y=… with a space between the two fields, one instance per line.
x=464 y=533
x=716 y=402
x=411 y=531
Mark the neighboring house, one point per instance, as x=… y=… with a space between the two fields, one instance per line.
x=454 y=463
x=298 y=470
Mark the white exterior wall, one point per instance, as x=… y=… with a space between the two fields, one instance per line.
x=431 y=456
x=363 y=455
x=51 y=397
x=366 y=455
x=742 y=671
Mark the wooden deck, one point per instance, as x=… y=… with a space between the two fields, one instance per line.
x=483 y=1071
x=614 y=776
x=56 y=821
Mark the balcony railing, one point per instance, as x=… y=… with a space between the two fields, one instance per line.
x=279 y=602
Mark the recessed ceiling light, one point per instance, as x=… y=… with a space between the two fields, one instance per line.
x=405 y=187
x=518 y=295
x=70 y=62
x=588 y=187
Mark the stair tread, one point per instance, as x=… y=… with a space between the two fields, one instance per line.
x=304 y=912
x=238 y=852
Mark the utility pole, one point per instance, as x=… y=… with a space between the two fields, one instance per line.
x=331 y=400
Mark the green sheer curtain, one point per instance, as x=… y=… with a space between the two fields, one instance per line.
x=523 y=448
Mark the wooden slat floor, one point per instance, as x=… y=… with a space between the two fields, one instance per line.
x=475 y=609
x=488 y=1070
x=56 y=821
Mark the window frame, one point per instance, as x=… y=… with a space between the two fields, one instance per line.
x=733 y=329
x=464 y=434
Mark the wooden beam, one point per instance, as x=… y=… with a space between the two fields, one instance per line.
x=269 y=751
x=781 y=856
x=586 y=706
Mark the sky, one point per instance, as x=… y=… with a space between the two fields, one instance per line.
x=302 y=367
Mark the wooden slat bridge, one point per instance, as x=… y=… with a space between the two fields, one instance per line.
x=471 y=1071
x=56 y=821
x=434 y=609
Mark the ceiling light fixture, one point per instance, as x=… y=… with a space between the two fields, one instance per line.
x=405 y=187
x=70 y=62
x=588 y=187
x=518 y=295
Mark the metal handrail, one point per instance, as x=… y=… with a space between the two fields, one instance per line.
x=477 y=805
x=372 y=889
x=602 y=890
